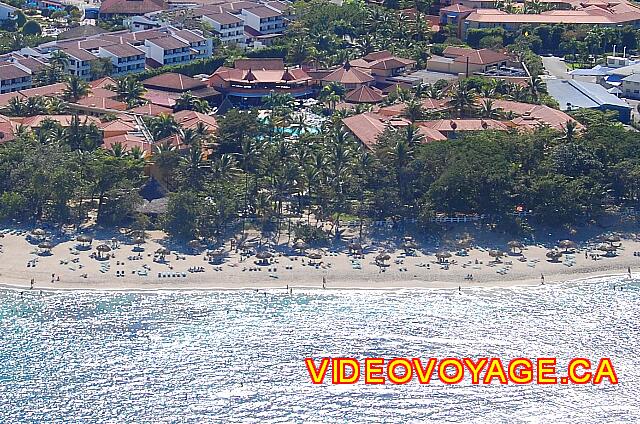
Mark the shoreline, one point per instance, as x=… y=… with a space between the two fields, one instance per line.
x=130 y=269
x=578 y=278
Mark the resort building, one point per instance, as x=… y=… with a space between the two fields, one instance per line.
x=110 y=8
x=132 y=52
x=368 y=126
x=229 y=27
x=171 y=86
x=7 y=11
x=573 y=95
x=631 y=86
x=460 y=60
x=264 y=19
x=126 y=59
x=14 y=77
x=257 y=78
x=382 y=65
x=483 y=14
x=349 y=76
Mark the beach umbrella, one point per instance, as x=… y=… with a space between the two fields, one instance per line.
x=195 y=244
x=607 y=248
x=46 y=245
x=163 y=251
x=496 y=253
x=138 y=240
x=38 y=232
x=515 y=244
x=314 y=256
x=612 y=239
x=409 y=245
x=554 y=255
x=83 y=238
x=567 y=244
x=443 y=254
x=354 y=247
x=103 y=248
x=383 y=257
x=300 y=245
x=263 y=255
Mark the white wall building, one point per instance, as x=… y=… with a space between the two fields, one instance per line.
x=125 y=58
x=14 y=77
x=230 y=27
x=264 y=19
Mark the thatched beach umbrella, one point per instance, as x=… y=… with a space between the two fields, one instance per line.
x=409 y=245
x=609 y=249
x=515 y=244
x=300 y=245
x=163 y=251
x=195 y=244
x=46 y=245
x=613 y=238
x=382 y=257
x=495 y=253
x=84 y=239
x=38 y=232
x=554 y=255
x=263 y=255
x=566 y=245
x=442 y=255
x=314 y=256
x=103 y=248
x=354 y=247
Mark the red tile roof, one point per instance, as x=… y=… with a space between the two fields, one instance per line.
x=173 y=82
x=151 y=110
x=364 y=94
x=10 y=71
x=102 y=103
x=132 y=7
x=347 y=74
x=128 y=141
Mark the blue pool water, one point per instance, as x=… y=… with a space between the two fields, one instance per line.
x=202 y=357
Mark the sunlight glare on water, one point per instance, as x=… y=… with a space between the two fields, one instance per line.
x=238 y=356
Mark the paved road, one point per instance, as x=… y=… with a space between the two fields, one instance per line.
x=555 y=67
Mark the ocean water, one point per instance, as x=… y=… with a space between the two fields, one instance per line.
x=200 y=357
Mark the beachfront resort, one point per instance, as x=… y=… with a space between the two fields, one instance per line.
x=237 y=144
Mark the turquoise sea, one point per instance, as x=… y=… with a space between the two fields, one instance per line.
x=226 y=357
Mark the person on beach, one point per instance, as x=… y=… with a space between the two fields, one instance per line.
x=32 y=281
x=324 y=281
x=629 y=271
x=542 y=278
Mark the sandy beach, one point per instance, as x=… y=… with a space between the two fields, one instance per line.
x=71 y=266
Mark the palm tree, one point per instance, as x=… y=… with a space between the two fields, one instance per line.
x=76 y=88
x=130 y=91
x=462 y=99
x=194 y=165
x=249 y=157
x=433 y=92
x=163 y=126
x=487 y=109
x=15 y=107
x=569 y=130
x=59 y=59
x=136 y=153
x=117 y=150
x=186 y=101
x=55 y=106
x=413 y=111
x=189 y=137
x=166 y=159
x=225 y=167
x=536 y=87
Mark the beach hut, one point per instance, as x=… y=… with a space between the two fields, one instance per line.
x=554 y=255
